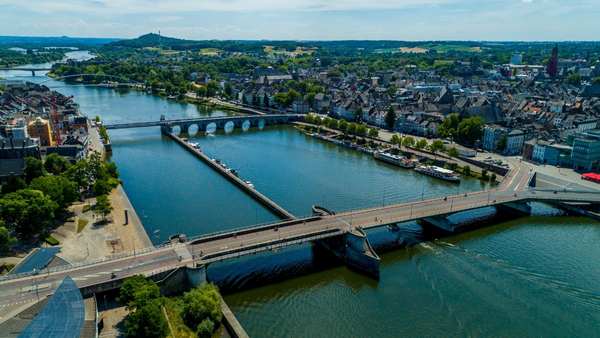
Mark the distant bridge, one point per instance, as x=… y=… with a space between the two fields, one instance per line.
x=28 y=69
x=210 y=123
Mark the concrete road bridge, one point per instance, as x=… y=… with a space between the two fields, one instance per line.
x=343 y=234
x=210 y=123
x=28 y=69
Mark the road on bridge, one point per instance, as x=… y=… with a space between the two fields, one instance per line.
x=25 y=289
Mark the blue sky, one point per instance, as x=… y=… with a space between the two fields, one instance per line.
x=307 y=19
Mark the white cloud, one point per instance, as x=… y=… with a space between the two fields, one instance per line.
x=145 y=6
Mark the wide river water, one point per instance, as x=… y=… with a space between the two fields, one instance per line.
x=537 y=276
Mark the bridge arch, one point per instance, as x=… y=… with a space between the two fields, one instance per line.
x=246 y=125
x=193 y=129
x=211 y=128
x=176 y=129
x=229 y=126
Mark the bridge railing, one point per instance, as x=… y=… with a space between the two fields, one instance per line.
x=65 y=267
x=229 y=254
x=237 y=230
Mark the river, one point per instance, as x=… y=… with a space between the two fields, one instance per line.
x=530 y=277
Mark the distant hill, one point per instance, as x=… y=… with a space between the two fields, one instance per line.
x=53 y=41
x=153 y=40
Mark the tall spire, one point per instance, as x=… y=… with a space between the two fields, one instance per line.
x=552 y=67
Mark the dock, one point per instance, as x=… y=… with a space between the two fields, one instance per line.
x=252 y=192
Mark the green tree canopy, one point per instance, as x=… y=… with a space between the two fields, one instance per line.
x=408 y=141
x=453 y=152
x=6 y=240
x=29 y=212
x=396 y=140
x=147 y=321
x=437 y=146
x=470 y=130
x=33 y=168
x=13 y=183
x=449 y=127
x=373 y=132
x=102 y=206
x=202 y=303
x=421 y=144
x=56 y=164
x=60 y=189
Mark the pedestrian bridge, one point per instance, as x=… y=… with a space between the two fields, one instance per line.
x=210 y=124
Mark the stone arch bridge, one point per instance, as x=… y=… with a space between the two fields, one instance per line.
x=211 y=123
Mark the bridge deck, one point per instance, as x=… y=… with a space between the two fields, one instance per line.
x=208 y=249
x=143 y=124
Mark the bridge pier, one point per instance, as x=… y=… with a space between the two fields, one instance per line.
x=514 y=208
x=355 y=251
x=440 y=223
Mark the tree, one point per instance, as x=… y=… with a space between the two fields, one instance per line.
x=56 y=164
x=29 y=212
x=212 y=88
x=343 y=125
x=408 y=141
x=60 y=189
x=390 y=118
x=202 y=303
x=484 y=174
x=130 y=286
x=33 y=168
x=396 y=140
x=470 y=130
x=351 y=128
x=103 y=206
x=467 y=170
x=493 y=178
x=205 y=329
x=453 y=152
x=102 y=187
x=13 y=183
x=361 y=129
x=6 y=240
x=373 y=133
x=436 y=146
x=333 y=124
x=421 y=144
x=147 y=321
x=449 y=126
x=228 y=90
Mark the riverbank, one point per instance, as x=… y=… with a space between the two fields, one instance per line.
x=372 y=145
x=85 y=238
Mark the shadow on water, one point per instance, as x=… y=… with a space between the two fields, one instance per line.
x=277 y=266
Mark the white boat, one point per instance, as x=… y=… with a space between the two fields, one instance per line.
x=438 y=172
x=249 y=184
x=398 y=160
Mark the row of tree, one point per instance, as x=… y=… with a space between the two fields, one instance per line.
x=200 y=309
x=30 y=206
x=435 y=147
x=350 y=128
